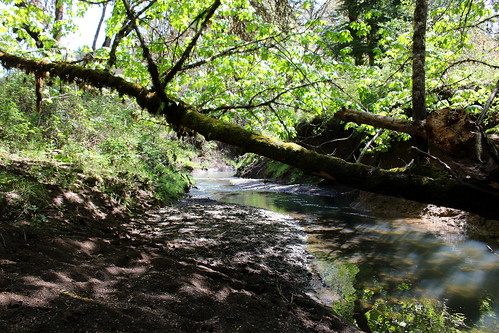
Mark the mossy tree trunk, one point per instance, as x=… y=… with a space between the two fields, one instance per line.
x=443 y=190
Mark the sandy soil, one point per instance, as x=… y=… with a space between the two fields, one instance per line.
x=199 y=266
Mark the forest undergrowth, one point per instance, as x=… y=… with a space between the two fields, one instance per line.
x=81 y=185
x=82 y=141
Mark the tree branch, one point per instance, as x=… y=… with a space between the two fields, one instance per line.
x=457 y=63
x=414 y=128
x=178 y=66
x=233 y=50
x=126 y=28
x=99 y=25
x=440 y=191
x=151 y=65
x=473 y=25
x=268 y=103
x=493 y=94
x=79 y=74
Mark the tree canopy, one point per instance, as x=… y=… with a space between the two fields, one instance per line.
x=245 y=72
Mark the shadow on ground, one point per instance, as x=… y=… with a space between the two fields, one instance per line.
x=200 y=266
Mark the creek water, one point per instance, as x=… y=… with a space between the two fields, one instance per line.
x=354 y=250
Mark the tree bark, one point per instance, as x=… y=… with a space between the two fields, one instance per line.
x=418 y=69
x=99 y=25
x=442 y=190
x=418 y=61
x=458 y=140
x=58 y=16
x=414 y=128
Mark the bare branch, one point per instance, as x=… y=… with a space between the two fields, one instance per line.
x=368 y=144
x=178 y=66
x=99 y=25
x=269 y=102
x=96 y=2
x=475 y=61
x=124 y=31
x=439 y=161
x=151 y=65
x=473 y=25
x=399 y=69
x=238 y=49
x=231 y=51
x=281 y=121
x=489 y=101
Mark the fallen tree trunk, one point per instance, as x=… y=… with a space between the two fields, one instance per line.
x=444 y=190
x=394 y=124
x=456 y=139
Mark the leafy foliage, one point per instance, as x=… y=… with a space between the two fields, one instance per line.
x=266 y=68
x=413 y=316
x=103 y=135
x=254 y=66
x=365 y=27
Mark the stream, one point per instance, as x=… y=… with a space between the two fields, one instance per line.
x=355 y=250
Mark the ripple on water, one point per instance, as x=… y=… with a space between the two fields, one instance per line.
x=436 y=259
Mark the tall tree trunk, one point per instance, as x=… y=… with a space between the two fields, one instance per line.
x=97 y=32
x=58 y=16
x=418 y=70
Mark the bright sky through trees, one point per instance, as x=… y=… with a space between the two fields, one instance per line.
x=87 y=26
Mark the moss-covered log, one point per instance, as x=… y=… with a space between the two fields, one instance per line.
x=478 y=198
x=394 y=124
x=441 y=191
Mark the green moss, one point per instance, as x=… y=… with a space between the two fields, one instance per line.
x=277 y=169
x=402 y=170
x=100 y=141
x=428 y=170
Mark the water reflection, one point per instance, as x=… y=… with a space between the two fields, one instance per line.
x=388 y=253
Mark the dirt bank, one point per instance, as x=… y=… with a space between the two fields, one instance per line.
x=436 y=218
x=200 y=266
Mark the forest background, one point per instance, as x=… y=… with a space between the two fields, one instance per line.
x=119 y=116
x=267 y=67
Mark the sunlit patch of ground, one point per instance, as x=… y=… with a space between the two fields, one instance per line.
x=199 y=266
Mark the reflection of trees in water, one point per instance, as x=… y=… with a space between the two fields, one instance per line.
x=398 y=261
x=392 y=259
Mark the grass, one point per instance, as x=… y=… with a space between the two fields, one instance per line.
x=99 y=141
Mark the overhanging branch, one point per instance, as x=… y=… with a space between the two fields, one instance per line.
x=73 y=73
x=178 y=65
x=441 y=191
x=414 y=128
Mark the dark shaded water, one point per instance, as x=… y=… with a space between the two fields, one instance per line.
x=400 y=256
